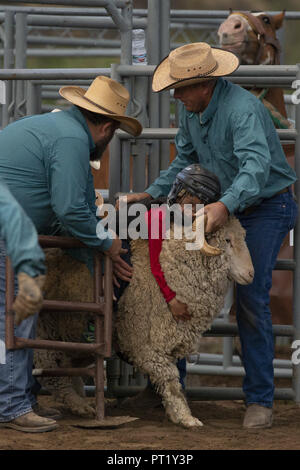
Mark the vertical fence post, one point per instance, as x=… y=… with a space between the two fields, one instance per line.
x=114 y=154
x=21 y=45
x=165 y=95
x=34 y=98
x=153 y=55
x=296 y=290
x=126 y=58
x=119 y=165
x=141 y=98
x=8 y=63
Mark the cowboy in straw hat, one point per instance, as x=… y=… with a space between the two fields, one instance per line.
x=45 y=161
x=191 y=64
x=229 y=132
x=106 y=97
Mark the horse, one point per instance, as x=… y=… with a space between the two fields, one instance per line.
x=252 y=37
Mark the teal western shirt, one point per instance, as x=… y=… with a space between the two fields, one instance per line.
x=44 y=159
x=20 y=236
x=234 y=138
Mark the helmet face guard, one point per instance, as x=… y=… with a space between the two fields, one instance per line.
x=177 y=187
x=197 y=181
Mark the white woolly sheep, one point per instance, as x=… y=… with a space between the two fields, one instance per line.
x=145 y=329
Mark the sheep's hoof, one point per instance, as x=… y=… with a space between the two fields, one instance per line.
x=191 y=422
x=83 y=410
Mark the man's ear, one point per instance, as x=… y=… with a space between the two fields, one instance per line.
x=102 y=130
x=105 y=128
x=109 y=127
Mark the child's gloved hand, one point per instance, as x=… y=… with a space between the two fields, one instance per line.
x=179 y=310
x=29 y=299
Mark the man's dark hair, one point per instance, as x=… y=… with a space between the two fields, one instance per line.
x=95 y=118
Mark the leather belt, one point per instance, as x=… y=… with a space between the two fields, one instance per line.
x=251 y=209
x=285 y=190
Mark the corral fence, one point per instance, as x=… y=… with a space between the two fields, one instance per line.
x=25 y=90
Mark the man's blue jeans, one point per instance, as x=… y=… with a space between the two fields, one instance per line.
x=16 y=379
x=266 y=228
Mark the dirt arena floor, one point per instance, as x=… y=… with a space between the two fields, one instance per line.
x=222 y=428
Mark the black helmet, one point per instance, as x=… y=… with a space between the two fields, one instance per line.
x=197 y=181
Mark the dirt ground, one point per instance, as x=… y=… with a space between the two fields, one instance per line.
x=222 y=428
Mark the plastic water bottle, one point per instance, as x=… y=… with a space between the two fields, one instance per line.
x=139 y=54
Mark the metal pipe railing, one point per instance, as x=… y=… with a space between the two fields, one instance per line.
x=55 y=11
x=74 y=41
x=94 y=52
x=95 y=6
x=82 y=3
x=217 y=359
x=58 y=21
x=256 y=73
x=170 y=133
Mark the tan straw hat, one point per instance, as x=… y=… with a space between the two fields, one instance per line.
x=191 y=64
x=104 y=96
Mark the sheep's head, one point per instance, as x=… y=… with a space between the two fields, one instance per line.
x=231 y=239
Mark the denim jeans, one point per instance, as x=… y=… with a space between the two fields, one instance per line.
x=16 y=379
x=266 y=228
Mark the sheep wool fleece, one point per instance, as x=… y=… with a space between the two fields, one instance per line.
x=145 y=329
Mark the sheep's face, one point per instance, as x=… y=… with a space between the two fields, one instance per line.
x=241 y=268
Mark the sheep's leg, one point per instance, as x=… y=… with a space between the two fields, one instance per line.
x=176 y=406
x=61 y=388
x=73 y=402
x=78 y=386
x=165 y=377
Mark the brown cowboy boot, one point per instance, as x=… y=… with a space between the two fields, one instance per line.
x=258 y=416
x=30 y=422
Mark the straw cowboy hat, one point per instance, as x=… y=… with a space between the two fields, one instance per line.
x=191 y=64
x=104 y=96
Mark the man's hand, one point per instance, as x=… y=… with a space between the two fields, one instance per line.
x=132 y=197
x=179 y=310
x=217 y=216
x=121 y=269
x=29 y=299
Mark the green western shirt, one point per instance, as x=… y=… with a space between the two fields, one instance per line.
x=44 y=159
x=234 y=138
x=20 y=236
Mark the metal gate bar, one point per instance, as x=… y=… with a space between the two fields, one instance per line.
x=101 y=307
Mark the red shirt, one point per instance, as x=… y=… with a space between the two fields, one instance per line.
x=156 y=233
